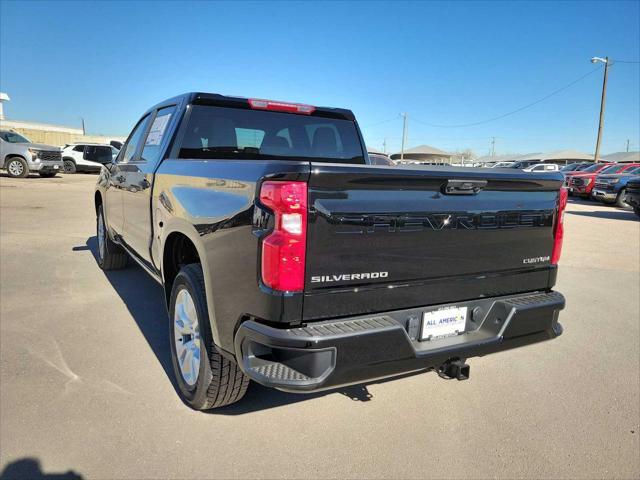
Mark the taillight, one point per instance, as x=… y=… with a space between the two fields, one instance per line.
x=283 y=250
x=558 y=232
x=260 y=104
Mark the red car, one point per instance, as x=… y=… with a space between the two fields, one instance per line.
x=582 y=183
x=595 y=167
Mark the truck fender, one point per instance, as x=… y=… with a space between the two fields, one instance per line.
x=177 y=225
x=9 y=156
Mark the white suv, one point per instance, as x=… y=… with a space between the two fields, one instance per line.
x=87 y=157
x=542 y=167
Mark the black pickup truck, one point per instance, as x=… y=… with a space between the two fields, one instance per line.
x=286 y=258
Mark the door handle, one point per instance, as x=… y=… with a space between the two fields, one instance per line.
x=464 y=187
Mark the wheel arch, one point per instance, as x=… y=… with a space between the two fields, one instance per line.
x=181 y=246
x=9 y=156
x=97 y=200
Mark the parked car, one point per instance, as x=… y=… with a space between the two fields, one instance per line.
x=87 y=157
x=582 y=183
x=575 y=167
x=593 y=168
x=502 y=164
x=378 y=159
x=632 y=197
x=542 y=167
x=19 y=156
x=613 y=188
x=285 y=259
x=522 y=164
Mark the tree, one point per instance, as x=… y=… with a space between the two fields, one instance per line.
x=465 y=156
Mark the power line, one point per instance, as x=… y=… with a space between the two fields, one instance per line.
x=555 y=92
x=380 y=123
x=614 y=61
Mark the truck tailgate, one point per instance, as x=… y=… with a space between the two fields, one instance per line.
x=385 y=238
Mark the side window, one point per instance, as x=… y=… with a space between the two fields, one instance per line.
x=90 y=153
x=78 y=148
x=249 y=137
x=103 y=154
x=134 y=140
x=153 y=144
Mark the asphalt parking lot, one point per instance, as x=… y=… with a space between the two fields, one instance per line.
x=86 y=384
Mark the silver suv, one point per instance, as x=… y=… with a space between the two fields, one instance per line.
x=19 y=156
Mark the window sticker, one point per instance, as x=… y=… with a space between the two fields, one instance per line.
x=157 y=130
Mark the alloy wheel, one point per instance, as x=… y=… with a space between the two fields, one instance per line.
x=187 y=337
x=101 y=236
x=16 y=168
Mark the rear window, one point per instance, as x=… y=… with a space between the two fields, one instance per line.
x=243 y=134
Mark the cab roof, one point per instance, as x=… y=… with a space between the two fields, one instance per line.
x=215 y=99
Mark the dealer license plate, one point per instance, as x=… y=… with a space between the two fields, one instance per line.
x=443 y=323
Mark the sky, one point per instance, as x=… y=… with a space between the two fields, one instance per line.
x=442 y=63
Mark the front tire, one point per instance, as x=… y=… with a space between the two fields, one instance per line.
x=110 y=254
x=17 y=168
x=620 y=199
x=205 y=378
x=69 y=166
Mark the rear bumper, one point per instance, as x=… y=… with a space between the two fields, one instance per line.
x=329 y=354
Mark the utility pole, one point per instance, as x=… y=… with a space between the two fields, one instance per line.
x=493 y=147
x=384 y=145
x=603 y=100
x=404 y=134
x=83 y=130
x=627 y=145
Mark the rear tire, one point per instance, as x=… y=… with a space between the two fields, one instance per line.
x=111 y=256
x=620 y=199
x=47 y=174
x=216 y=381
x=69 y=166
x=17 y=167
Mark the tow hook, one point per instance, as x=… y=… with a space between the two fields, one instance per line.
x=454 y=368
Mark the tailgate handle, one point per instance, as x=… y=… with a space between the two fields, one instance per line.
x=464 y=187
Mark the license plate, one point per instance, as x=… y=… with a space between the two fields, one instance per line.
x=55 y=167
x=443 y=323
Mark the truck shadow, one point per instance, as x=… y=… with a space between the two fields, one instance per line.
x=613 y=214
x=144 y=299
x=30 y=468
